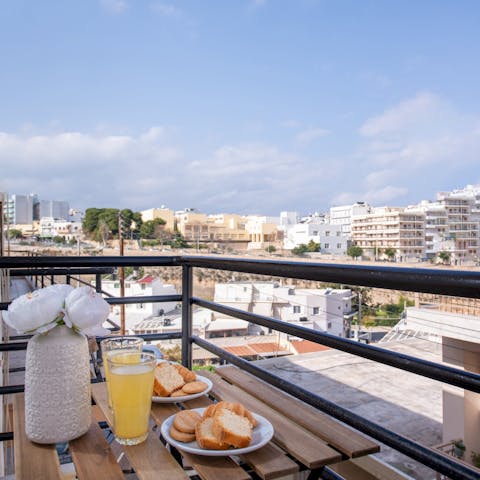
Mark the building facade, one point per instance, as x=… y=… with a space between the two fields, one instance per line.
x=391 y=228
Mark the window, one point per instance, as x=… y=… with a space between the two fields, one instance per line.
x=339 y=245
x=339 y=233
x=316 y=310
x=327 y=245
x=327 y=233
x=116 y=285
x=315 y=232
x=296 y=309
x=143 y=286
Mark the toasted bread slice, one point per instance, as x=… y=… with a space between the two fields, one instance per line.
x=231 y=428
x=205 y=436
x=187 y=374
x=167 y=380
x=235 y=407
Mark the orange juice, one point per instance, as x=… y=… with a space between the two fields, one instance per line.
x=122 y=356
x=131 y=388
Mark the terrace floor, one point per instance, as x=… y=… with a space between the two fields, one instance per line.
x=401 y=401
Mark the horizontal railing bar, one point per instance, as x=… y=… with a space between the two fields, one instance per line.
x=108 y=261
x=27 y=272
x=8 y=389
x=12 y=346
x=442 y=373
x=5 y=436
x=429 y=457
x=447 y=282
x=128 y=300
x=146 y=299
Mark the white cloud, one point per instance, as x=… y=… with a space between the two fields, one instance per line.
x=114 y=6
x=423 y=143
x=165 y=9
x=258 y=3
x=311 y=134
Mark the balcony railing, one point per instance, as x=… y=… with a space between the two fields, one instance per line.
x=445 y=282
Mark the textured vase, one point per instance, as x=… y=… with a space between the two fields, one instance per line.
x=57 y=386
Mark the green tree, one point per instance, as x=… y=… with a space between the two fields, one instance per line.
x=58 y=239
x=271 y=249
x=15 y=233
x=390 y=253
x=152 y=228
x=444 y=257
x=90 y=220
x=354 y=251
x=300 y=250
x=313 y=246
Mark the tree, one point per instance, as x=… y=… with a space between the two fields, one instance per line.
x=390 y=253
x=444 y=257
x=313 y=246
x=354 y=251
x=58 y=239
x=300 y=250
x=152 y=228
x=271 y=249
x=14 y=233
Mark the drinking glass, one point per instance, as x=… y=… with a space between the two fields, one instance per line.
x=112 y=345
x=131 y=389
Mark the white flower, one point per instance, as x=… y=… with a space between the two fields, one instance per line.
x=39 y=311
x=85 y=311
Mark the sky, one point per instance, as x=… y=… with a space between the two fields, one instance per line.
x=239 y=106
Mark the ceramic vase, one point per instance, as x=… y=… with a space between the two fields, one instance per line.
x=57 y=386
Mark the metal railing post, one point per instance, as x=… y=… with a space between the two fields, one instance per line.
x=67 y=280
x=98 y=282
x=187 y=279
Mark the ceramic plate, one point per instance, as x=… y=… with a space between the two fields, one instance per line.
x=261 y=435
x=185 y=398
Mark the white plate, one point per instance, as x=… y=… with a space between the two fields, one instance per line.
x=261 y=435
x=185 y=398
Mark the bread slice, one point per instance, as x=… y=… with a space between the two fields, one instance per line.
x=231 y=428
x=167 y=380
x=187 y=374
x=205 y=436
x=235 y=407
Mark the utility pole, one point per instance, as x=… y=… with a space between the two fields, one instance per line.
x=121 y=273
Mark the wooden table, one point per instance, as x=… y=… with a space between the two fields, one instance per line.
x=304 y=439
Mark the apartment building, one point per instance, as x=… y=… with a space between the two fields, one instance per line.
x=164 y=213
x=143 y=287
x=19 y=209
x=199 y=227
x=391 y=227
x=452 y=224
x=263 y=231
x=49 y=227
x=342 y=215
x=328 y=310
x=331 y=238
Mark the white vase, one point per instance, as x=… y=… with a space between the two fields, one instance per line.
x=57 y=386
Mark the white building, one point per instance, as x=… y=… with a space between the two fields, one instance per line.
x=144 y=287
x=53 y=227
x=342 y=215
x=330 y=237
x=328 y=310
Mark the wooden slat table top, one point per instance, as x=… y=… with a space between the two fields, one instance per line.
x=32 y=460
x=150 y=459
x=269 y=462
x=344 y=439
x=299 y=442
x=93 y=458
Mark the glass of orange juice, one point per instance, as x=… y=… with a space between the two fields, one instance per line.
x=131 y=346
x=131 y=389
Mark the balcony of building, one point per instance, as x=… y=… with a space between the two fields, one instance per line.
x=350 y=396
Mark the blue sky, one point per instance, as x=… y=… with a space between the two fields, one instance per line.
x=239 y=106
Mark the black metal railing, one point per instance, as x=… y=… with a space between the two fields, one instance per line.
x=439 y=281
